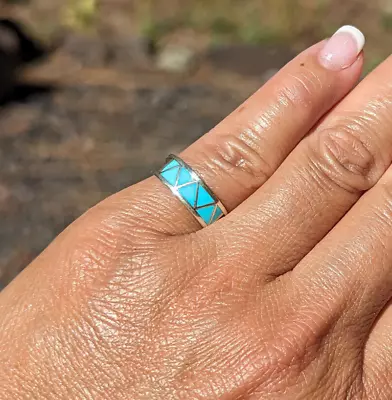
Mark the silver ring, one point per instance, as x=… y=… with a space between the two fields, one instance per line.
x=191 y=190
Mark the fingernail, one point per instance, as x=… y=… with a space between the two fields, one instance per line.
x=342 y=49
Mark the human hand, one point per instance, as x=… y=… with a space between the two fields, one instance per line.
x=287 y=297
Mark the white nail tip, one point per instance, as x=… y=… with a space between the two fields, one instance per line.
x=358 y=36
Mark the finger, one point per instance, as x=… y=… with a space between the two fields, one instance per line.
x=321 y=179
x=378 y=351
x=242 y=152
x=349 y=275
x=378 y=356
x=245 y=149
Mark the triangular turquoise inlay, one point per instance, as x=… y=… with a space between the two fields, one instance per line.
x=170 y=176
x=189 y=193
x=218 y=214
x=172 y=163
x=206 y=213
x=185 y=177
x=204 y=198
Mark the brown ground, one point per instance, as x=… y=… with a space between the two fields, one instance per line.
x=97 y=115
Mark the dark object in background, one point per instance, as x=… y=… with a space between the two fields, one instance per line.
x=17 y=49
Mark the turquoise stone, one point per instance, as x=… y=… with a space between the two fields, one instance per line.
x=170 y=176
x=185 y=177
x=206 y=213
x=172 y=164
x=218 y=214
x=189 y=193
x=204 y=198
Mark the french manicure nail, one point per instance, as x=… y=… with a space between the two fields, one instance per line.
x=342 y=49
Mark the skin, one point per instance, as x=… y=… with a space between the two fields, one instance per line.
x=288 y=297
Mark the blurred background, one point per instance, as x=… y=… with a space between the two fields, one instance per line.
x=95 y=93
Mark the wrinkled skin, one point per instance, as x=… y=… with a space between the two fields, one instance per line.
x=285 y=298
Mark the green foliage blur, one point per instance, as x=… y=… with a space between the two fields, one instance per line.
x=296 y=23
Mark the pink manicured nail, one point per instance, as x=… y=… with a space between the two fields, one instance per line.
x=343 y=48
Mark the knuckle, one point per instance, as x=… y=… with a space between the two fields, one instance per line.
x=290 y=353
x=240 y=158
x=302 y=339
x=303 y=89
x=346 y=157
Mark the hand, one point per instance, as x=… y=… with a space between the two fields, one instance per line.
x=287 y=297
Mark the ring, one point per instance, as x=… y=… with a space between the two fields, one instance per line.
x=187 y=186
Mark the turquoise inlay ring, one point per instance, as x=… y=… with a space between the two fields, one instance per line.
x=188 y=187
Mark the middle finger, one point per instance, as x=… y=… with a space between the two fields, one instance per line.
x=320 y=181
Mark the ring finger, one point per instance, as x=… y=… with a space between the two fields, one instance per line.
x=241 y=153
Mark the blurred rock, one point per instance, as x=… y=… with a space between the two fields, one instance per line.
x=87 y=50
x=176 y=59
x=386 y=6
x=123 y=52
x=130 y=52
x=5 y=197
x=11 y=122
x=250 y=60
